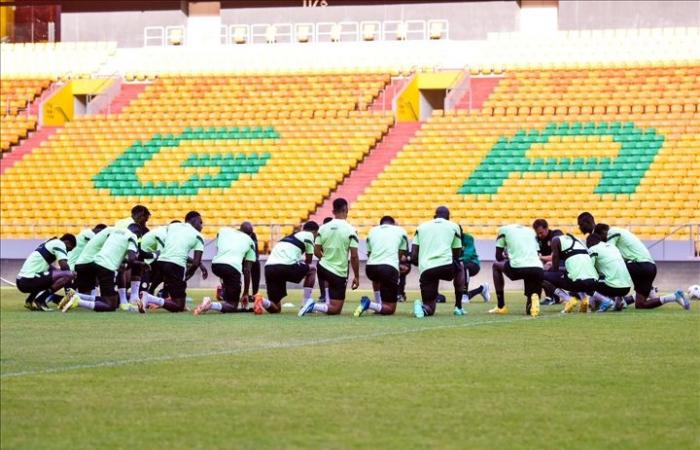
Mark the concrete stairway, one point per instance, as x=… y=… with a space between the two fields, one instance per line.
x=25 y=147
x=370 y=167
x=481 y=90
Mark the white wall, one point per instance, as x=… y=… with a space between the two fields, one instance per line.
x=596 y=14
x=468 y=20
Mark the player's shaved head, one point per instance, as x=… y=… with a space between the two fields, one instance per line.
x=340 y=205
x=387 y=220
x=195 y=219
x=593 y=239
x=442 y=212
x=99 y=227
x=310 y=226
x=601 y=230
x=136 y=229
x=247 y=228
x=69 y=240
x=327 y=219
x=140 y=214
x=586 y=222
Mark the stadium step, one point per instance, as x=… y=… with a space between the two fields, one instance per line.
x=371 y=166
x=128 y=92
x=385 y=99
x=25 y=147
x=482 y=87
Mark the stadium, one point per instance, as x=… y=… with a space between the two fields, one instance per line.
x=350 y=224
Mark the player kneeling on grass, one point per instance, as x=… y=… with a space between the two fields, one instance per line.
x=333 y=242
x=472 y=266
x=235 y=254
x=640 y=264
x=40 y=279
x=387 y=245
x=599 y=234
x=119 y=245
x=614 y=281
x=523 y=263
x=180 y=240
x=289 y=261
x=437 y=246
x=579 y=274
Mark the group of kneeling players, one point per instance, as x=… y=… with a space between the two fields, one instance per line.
x=595 y=275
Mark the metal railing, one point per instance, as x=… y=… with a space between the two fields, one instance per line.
x=102 y=102
x=458 y=89
x=302 y=32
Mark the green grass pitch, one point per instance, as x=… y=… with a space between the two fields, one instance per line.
x=175 y=381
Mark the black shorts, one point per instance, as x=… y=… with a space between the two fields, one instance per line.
x=87 y=277
x=336 y=285
x=231 y=281
x=35 y=284
x=388 y=278
x=107 y=279
x=430 y=280
x=643 y=275
x=277 y=276
x=611 y=292
x=471 y=268
x=531 y=276
x=561 y=280
x=174 y=279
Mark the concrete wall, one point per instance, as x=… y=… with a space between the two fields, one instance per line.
x=594 y=14
x=467 y=20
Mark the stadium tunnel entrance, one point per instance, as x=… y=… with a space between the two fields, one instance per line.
x=426 y=92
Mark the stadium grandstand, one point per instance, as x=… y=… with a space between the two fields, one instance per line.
x=263 y=113
x=279 y=115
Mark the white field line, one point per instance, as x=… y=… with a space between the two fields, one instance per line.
x=253 y=349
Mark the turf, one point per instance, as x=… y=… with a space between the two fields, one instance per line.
x=120 y=380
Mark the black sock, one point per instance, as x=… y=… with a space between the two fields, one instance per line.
x=458 y=298
x=41 y=298
x=31 y=297
x=474 y=292
x=501 y=299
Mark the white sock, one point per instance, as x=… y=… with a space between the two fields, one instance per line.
x=600 y=297
x=670 y=298
x=267 y=303
x=152 y=299
x=378 y=297
x=562 y=294
x=122 y=296
x=465 y=298
x=375 y=306
x=135 y=286
x=90 y=298
x=328 y=296
x=86 y=304
x=320 y=307
x=94 y=292
x=308 y=292
x=216 y=306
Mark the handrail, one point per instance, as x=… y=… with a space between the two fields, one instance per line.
x=455 y=94
x=397 y=95
x=96 y=103
x=65 y=116
x=45 y=96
